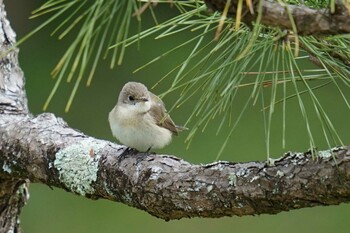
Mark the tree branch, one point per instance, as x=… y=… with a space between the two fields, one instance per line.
x=308 y=21
x=44 y=149
x=13 y=100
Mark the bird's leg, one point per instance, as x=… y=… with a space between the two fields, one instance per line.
x=148 y=150
x=133 y=152
x=130 y=150
x=142 y=155
x=126 y=152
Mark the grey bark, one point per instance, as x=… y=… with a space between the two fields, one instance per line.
x=50 y=152
x=45 y=149
x=13 y=191
x=308 y=21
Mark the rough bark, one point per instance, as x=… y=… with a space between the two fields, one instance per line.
x=308 y=21
x=50 y=152
x=13 y=191
x=45 y=149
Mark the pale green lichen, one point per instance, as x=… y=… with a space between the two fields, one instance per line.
x=78 y=165
x=279 y=174
x=254 y=178
x=23 y=191
x=199 y=185
x=184 y=195
x=127 y=198
x=6 y=168
x=106 y=187
x=275 y=190
x=232 y=179
x=325 y=154
x=271 y=162
x=209 y=188
x=156 y=171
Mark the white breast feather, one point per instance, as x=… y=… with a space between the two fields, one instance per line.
x=137 y=130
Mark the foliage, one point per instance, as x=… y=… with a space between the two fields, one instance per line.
x=226 y=56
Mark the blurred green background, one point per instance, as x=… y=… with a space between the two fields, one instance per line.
x=58 y=211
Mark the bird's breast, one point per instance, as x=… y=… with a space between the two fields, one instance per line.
x=137 y=130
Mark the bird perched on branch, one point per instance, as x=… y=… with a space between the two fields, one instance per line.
x=139 y=119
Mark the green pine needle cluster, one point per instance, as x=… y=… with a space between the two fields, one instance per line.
x=268 y=61
x=97 y=25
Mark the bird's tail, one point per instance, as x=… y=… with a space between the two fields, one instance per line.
x=180 y=128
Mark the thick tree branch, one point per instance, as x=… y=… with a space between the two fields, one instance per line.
x=13 y=191
x=13 y=97
x=44 y=149
x=308 y=21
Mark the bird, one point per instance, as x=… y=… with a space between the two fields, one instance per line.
x=139 y=120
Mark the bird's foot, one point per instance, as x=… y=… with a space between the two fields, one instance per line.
x=127 y=152
x=148 y=150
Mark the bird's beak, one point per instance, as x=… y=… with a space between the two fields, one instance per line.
x=143 y=99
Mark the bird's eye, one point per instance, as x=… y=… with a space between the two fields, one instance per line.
x=131 y=98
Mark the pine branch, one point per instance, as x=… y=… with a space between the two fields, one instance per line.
x=308 y=21
x=163 y=185
x=45 y=149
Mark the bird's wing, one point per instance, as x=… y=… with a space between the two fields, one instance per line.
x=159 y=113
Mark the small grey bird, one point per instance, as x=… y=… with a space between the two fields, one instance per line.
x=139 y=119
